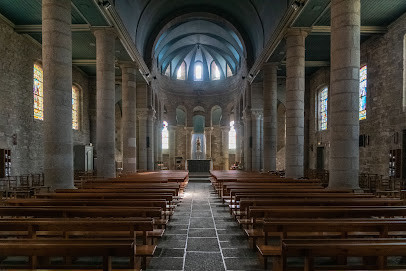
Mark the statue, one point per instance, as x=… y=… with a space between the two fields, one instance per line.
x=198 y=146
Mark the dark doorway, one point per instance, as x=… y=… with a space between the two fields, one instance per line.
x=320 y=158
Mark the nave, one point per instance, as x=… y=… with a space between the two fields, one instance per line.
x=203 y=236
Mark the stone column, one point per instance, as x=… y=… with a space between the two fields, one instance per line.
x=129 y=117
x=208 y=131
x=256 y=139
x=295 y=86
x=57 y=67
x=344 y=103
x=158 y=138
x=270 y=88
x=247 y=140
x=225 y=148
x=150 y=139
x=105 y=85
x=238 y=148
x=142 y=115
x=188 y=143
x=172 y=146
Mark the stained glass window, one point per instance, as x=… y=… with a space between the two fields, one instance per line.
x=229 y=71
x=181 y=74
x=363 y=93
x=198 y=71
x=165 y=136
x=75 y=107
x=323 y=99
x=215 y=72
x=38 y=93
x=232 y=137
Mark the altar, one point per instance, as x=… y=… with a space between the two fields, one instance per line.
x=199 y=165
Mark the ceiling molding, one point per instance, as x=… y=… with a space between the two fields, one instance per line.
x=289 y=17
x=84 y=62
x=364 y=29
x=37 y=28
x=125 y=38
x=313 y=64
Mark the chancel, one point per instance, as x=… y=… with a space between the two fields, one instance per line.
x=203 y=135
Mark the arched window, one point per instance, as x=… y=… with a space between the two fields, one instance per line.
x=363 y=93
x=229 y=71
x=232 y=137
x=198 y=71
x=75 y=107
x=322 y=108
x=215 y=72
x=165 y=136
x=181 y=73
x=38 y=92
x=168 y=70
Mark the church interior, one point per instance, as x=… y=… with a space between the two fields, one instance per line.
x=195 y=135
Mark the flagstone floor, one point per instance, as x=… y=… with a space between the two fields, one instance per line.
x=203 y=236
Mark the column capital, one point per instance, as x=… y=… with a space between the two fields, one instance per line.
x=297 y=31
x=246 y=114
x=127 y=65
x=270 y=65
x=142 y=113
x=208 y=129
x=104 y=30
x=225 y=128
x=257 y=114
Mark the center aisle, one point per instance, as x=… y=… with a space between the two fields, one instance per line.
x=202 y=235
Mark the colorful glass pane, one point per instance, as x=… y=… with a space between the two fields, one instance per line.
x=232 y=137
x=165 y=136
x=75 y=108
x=323 y=99
x=38 y=93
x=363 y=93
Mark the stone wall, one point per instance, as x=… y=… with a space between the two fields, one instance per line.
x=18 y=54
x=386 y=118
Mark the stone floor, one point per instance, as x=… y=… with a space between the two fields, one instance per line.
x=202 y=235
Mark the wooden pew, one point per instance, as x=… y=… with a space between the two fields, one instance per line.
x=81 y=229
x=312 y=248
x=325 y=228
x=73 y=248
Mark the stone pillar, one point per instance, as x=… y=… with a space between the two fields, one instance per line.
x=295 y=86
x=238 y=148
x=344 y=103
x=142 y=115
x=247 y=140
x=188 y=143
x=172 y=146
x=225 y=148
x=256 y=139
x=150 y=139
x=208 y=131
x=105 y=130
x=57 y=67
x=270 y=88
x=157 y=135
x=129 y=119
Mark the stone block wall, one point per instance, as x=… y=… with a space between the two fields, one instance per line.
x=386 y=119
x=18 y=54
